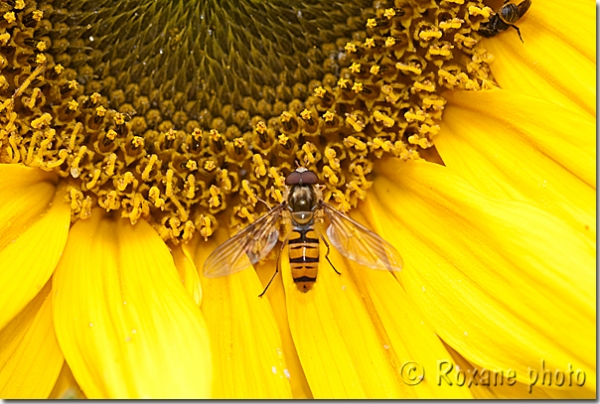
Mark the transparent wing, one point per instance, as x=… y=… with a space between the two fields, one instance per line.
x=247 y=247
x=523 y=7
x=358 y=243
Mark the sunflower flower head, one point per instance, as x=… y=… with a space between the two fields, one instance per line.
x=137 y=136
x=184 y=120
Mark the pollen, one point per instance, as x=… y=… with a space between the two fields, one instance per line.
x=320 y=92
x=10 y=17
x=354 y=67
x=191 y=130
x=357 y=87
x=350 y=47
x=389 y=13
x=328 y=116
x=37 y=15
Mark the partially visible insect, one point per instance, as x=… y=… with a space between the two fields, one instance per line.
x=505 y=18
x=306 y=220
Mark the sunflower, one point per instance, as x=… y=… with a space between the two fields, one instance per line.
x=135 y=137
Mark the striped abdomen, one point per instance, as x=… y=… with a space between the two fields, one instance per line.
x=304 y=256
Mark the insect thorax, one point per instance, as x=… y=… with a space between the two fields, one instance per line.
x=302 y=201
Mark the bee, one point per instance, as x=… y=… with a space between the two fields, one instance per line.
x=504 y=18
x=306 y=221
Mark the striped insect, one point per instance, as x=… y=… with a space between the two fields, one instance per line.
x=306 y=221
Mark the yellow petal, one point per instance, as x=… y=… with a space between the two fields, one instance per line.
x=35 y=223
x=557 y=62
x=410 y=343
x=492 y=383
x=503 y=283
x=339 y=348
x=124 y=322
x=501 y=383
x=276 y=296
x=66 y=386
x=547 y=158
x=188 y=273
x=30 y=358
x=248 y=356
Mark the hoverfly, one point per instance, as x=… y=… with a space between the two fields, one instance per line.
x=307 y=219
x=504 y=18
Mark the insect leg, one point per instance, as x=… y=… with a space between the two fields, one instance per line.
x=327 y=256
x=276 y=267
x=264 y=202
x=518 y=31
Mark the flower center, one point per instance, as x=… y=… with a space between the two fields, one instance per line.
x=187 y=114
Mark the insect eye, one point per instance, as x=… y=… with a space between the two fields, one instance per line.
x=308 y=177
x=293 y=178
x=302 y=178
